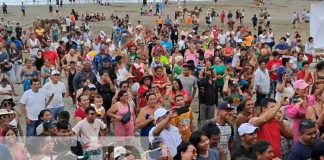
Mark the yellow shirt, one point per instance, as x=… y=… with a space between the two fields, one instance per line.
x=248 y=41
x=159 y=21
x=40 y=32
x=183 y=123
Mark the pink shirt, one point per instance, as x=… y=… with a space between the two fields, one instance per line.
x=191 y=56
x=209 y=53
x=298 y=115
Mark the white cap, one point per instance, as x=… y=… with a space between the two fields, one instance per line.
x=287 y=34
x=55 y=72
x=120 y=150
x=247 y=128
x=239 y=41
x=160 y=112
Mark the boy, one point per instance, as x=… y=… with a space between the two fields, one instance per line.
x=100 y=110
x=184 y=120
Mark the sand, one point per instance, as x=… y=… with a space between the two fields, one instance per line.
x=281 y=23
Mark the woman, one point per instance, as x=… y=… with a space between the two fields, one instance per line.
x=177 y=88
x=228 y=53
x=82 y=90
x=9 y=104
x=39 y=61
x=316 y=113
x=145 y=120
x=144 y=86
x=285 y=88
x=17 y=149
x=154 y=89
x=161 y=80
x=191 y=54
x=15 y=59
x=44 y=115
x=219 y=68
x=248 y=75
x=106 y=89
x=118 y=111
x=265 y=53
x=319 y=75
x=201 y=142
x=210 y=52
x=207 y=67
x=40 y=147
x=297 y=110
x=46 y=71
x=27 y=73
x=186 y=151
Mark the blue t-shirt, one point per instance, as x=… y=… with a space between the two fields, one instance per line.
x=300 y=151
x=167 y=45
x=281 y=47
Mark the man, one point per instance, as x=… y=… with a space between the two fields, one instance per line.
x=282 y=47
x=33 y=101
x=163 y=130
x=308 y=137
x=168 y=20
x=4 y=9
x=208 y=97
x=262 y=82
x=177 y=68
x=91 y=92
x=18 y=31
x=79 y=113
x=51 y=56
x=226 y=135
x=98 y=60
x=120 y=153
x=254 y=21
x=23 y=8
x=66 y=146
x=59 y=89
x=271 y=124
x=248 y=135
x=82 y=75
x=159 y=23
x=213 y=133
x=189 y=82
x=88 y=129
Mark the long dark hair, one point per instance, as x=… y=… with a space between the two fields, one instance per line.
x=181 y=148
x=179 y=84
x=120 y=94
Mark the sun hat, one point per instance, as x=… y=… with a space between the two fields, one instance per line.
x=120 y=150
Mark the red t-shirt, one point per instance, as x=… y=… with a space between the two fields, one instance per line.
x=51 y=55
x=272 y=67
x=172 y=95
x=160 y=81
x=301 y=75
x=80 y=113
x=270 y=132
x=141 y=94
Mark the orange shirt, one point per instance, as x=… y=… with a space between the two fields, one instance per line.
x=248 y=41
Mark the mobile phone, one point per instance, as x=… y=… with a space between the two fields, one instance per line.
x=154 y=154
x=182 y=110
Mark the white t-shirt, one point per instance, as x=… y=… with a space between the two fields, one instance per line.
x=34 y=102
x=58 y=89
x=171 y=137
x=5 y=90
x=89 y=133
x=222 y=39
x=262 y=38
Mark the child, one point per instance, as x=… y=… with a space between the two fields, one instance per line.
x=100 y=110
x=184 y=121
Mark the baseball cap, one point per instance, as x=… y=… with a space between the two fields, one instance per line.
x=91 y=86
x=120 y=150
x=160 y=112
x=247 y=128
x=225 y=106
x=128 y=76
x=55 y=72
x=300 y=84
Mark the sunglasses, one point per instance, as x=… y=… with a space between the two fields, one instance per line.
x=92 y=113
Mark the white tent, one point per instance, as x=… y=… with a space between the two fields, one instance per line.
x=317 y=24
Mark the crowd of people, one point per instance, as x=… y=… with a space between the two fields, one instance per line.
x=254 y=97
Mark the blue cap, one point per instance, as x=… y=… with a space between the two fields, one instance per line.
x=225 y=106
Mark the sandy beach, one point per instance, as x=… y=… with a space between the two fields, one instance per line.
x=281 y=21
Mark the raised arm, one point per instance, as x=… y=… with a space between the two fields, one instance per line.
x=267 y=116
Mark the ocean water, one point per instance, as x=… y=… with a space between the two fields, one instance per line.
x=44 y=2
